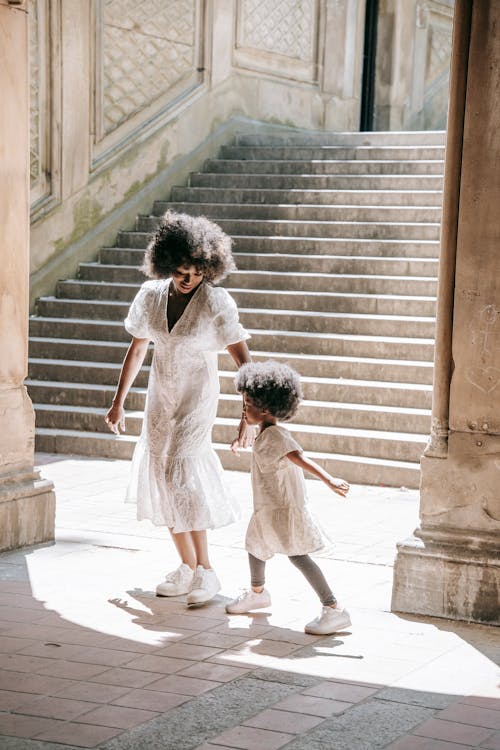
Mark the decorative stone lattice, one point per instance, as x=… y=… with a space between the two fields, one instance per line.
x=147 y=48
x=34 y=93
x=439 y=51
x=285 y=27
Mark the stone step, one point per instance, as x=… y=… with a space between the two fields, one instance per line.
x=316 y=412
x=111 y=353
x=306 y=213
x=291 y=342
x=303 y=273
x=355 y=469
x=388 y=248
x=330 y=152
x=399 y=446
x=291 y=320
x=362 y=138
x=293 y=196
x=315 y=182
x=56 y=373
x=327 y=229
x=303 y=299
x=344 y=367
x=326 y=166
x=365 y=393
x=112 y=259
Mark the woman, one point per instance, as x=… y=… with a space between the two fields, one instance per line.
x=177 y=478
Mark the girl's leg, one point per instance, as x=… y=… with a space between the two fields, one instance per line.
x=257 y=597
x=257 y=573
x=315 y=577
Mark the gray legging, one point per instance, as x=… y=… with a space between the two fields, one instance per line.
x=307 y=567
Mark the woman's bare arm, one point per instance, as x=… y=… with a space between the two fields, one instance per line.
x=115 y=418
x=246 y=434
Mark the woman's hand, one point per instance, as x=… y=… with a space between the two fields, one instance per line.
x=115 y=419
x=246 y=436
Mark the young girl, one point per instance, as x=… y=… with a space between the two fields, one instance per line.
x=281 y=521
x=177 y=479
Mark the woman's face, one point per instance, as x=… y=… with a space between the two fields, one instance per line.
x=186 y=279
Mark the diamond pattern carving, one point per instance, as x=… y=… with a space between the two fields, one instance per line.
x=34 y=93
x=282 y=26
x=147 y=48
x=439 y=51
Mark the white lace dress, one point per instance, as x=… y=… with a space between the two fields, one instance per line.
x=177 y=478
x=281 y=521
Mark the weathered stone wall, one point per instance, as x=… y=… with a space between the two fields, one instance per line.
x=412 y=67
x=26 y=501
x=127 y=98
x=451 y=566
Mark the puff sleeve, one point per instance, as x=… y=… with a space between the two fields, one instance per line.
x=137 y=322
x=228 y=329
x=273 y=445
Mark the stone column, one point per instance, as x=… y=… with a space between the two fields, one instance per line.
x=342 y=63
x=450 y=568
x=27 y=503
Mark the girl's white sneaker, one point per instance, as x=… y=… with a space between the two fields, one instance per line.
x=329 y=621
x=247 y=601
x=177 y=582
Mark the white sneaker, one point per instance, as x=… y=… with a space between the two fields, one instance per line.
x=329 y=621
x=205 y=586
x=247 y=601
x=177 y=582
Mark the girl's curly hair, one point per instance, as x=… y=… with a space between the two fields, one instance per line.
x=271 y=386
x=188 y=240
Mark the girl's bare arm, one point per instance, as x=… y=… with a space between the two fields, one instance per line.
x=339 y=486
x=115 y=418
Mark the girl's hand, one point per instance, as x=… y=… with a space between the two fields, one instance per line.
x=339 y=486
x=246 y=436
x=115 y=419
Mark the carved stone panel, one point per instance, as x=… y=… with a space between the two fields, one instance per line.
x=437 y=67
x=278 y=36
x=40 y=136
x=147 y=56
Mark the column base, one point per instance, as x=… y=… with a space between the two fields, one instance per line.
x=448 y=574
x=27 y=510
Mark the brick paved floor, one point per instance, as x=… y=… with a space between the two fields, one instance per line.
x=90 y=657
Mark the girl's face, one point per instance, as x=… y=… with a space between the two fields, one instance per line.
x=186 y=279
x=253 y=414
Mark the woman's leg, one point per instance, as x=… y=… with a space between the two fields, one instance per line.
x=315 y=577
x=185 y=547
x=200 y=545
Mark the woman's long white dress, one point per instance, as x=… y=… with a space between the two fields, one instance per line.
x=177 y=478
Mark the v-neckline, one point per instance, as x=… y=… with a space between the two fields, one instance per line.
x=182 y=315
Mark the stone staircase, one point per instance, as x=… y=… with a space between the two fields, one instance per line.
x=336 y=243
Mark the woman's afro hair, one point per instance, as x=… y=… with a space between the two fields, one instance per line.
x=192 y=241
x=272 y=386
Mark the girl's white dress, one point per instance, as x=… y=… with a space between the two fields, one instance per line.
x=177 y=478
x=281 y=521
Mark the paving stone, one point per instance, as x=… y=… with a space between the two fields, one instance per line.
x=452 y=731
x=250 y=738
x=416 y=697
x=367 y=726
x=206 y=717
x=287 y=678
